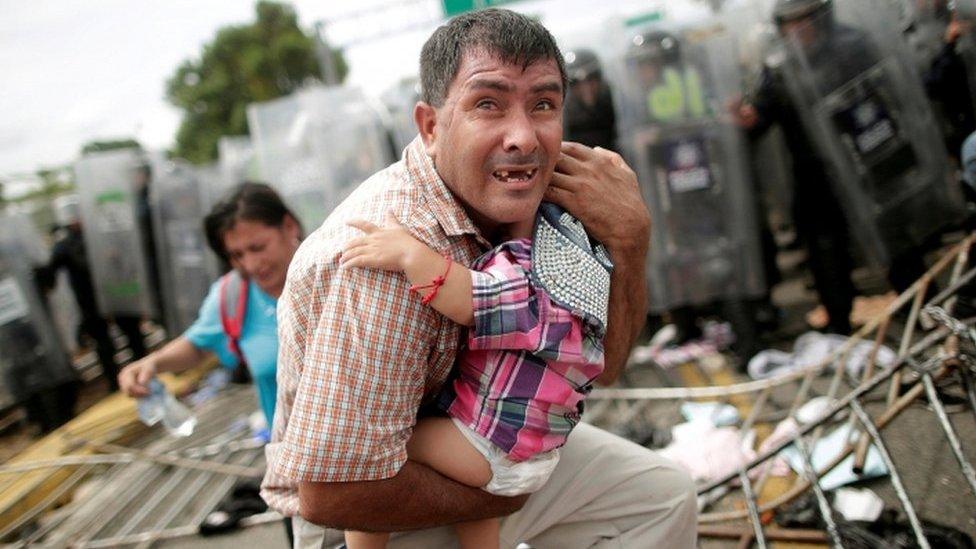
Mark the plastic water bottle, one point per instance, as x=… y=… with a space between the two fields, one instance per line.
x=160 y=406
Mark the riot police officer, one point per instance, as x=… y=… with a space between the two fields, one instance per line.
x=691 y=167
x=35 y=370
x=868 y=159
x=68 y=253
x=947 y=82
x=819 y=220
x=589 y=116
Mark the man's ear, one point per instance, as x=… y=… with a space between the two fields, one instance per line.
x=425 y=116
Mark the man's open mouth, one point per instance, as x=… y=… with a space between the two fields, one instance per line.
x=514 y=176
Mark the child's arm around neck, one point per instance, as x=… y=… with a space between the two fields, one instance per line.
x=444 y=285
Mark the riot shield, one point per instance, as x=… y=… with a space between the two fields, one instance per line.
x=755 y=34
x=212 y=189
x=692 y=167
x=31 y=356
x=922 y=24
x=59 y=302
x=965 y=11
x=399 y=101
x=316 y=146
x=178 y=209
x=858 y=95
x=967 y=50
x=237 y=163
x=113 y=239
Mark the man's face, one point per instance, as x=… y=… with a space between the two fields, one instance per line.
x=649 y=73
x=496 y=138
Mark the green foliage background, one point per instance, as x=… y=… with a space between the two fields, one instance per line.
x=260 y=61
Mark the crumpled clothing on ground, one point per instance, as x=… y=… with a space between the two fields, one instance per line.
x=716 y=336
x=708 y=452
x=811 y=349
x=784 y=431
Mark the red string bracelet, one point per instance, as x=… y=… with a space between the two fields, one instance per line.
x=434 y=285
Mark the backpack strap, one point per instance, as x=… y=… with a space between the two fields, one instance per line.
x=233 y=307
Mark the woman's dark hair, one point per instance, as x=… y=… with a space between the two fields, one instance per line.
x=248 y=201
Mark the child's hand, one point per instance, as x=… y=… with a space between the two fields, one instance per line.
x=388 y=248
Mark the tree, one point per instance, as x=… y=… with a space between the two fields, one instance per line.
x=260 y=61
x=53 y=182
x=57 y=180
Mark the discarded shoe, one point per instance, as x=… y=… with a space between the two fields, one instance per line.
x=243 y=501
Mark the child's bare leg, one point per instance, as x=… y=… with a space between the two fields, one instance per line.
x=479 y=534
x=437 y=443
x=366 y=540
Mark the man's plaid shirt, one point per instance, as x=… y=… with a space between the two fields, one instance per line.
x=358 y=351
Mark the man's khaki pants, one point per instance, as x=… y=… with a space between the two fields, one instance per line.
x=605 y=492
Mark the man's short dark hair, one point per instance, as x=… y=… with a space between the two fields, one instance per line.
x=511 y=37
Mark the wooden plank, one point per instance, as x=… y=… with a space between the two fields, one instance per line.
x=111 y=420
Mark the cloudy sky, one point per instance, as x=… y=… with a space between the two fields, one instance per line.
x=77 y=71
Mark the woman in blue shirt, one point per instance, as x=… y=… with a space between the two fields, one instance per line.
x=258 y=235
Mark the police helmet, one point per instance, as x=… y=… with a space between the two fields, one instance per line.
x=66 y=210
x=658 y=45
x=581 y=64
x=791 y=10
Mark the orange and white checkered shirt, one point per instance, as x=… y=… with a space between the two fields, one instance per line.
x=358 y=351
